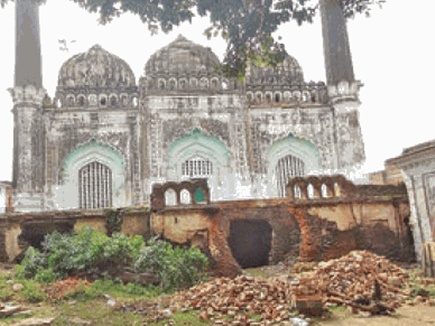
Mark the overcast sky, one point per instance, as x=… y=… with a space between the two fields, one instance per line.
x=393 y=55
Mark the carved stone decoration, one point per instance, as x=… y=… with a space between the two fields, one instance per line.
x=30 y=95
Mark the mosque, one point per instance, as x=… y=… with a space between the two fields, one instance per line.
x=108 y=136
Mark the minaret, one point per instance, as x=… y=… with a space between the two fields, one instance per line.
x=27 y=94
x=342 y=87
x=338 y=59
x=27 y=44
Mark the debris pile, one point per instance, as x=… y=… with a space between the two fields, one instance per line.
x=64 y=287
x=361 y=281
x=238 y=298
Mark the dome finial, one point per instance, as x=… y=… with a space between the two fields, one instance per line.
x=181 y=37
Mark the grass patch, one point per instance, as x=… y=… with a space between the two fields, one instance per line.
x=33 y=292
x=337 y=308
x=256 y=272
x=6 y=292
x=98 y=314
x=188 y=318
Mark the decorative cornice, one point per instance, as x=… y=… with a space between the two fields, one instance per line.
x=27 y=94
x=344 y=91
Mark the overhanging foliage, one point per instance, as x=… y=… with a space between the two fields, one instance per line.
x=246 y=25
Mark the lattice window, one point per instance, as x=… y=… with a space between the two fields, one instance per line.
x=95 y=186
x=287 y=167
x=196 y=167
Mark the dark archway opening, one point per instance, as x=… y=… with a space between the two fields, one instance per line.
x=250 y=242
x=33 y=233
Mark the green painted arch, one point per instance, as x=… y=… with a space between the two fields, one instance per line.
x=297 y=147
x=198 y=144
x=91 y=152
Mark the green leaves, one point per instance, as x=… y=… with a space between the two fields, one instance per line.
x=90 y=250
x=81 y=253
x=175 y=267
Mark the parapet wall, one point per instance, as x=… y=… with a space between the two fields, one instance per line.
x=321 y=218
x=19 y=230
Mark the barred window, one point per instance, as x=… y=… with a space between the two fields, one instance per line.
x=95 y=186
x=196 y=167
x=287 y=167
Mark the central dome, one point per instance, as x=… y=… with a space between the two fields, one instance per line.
x=286 y=72
x=182 y=57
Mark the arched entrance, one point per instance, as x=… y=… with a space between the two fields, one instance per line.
x=250 y=242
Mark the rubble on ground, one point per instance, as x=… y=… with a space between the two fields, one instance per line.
x=60 y=289
x=360 y=280
x=239 y=298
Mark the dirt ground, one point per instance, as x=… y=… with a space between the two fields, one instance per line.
x=406 y=316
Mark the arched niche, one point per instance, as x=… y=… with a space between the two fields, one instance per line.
x=170 y=197
x=198 y=148
x=91 y=154
x=288 y=157
x=185 y=197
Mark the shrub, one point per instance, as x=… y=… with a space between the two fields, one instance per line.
x=91 y=252
x=122 y=250
x=175 y=267
x=80 y=254
x=45 y=276
x=32 y=262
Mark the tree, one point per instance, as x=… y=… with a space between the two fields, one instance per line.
x=246 y=25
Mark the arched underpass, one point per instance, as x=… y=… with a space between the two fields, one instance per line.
x=250 y=242
x=33 y=233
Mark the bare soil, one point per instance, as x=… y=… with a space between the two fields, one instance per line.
x=417 y=315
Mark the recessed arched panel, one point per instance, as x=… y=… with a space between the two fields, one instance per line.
x=290 y=157
x=185 y=197
x=93 y=177
x=199 y=156
x=170 y=197
x=199 y=196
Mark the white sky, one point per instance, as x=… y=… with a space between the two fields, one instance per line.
x=393 y=55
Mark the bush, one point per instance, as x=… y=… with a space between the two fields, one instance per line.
x=77 y=253
x=32 y=262
x=91 y=252
x=45 y=276
x=175 y=267
x=80 y=254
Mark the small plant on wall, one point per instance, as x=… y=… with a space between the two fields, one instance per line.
x=114 y=220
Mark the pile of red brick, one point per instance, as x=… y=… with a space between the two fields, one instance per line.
x=360 y=280
x=238 y=298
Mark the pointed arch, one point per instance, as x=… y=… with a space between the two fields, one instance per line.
x=197 y=145
x=90 y=174
x=289 y=157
